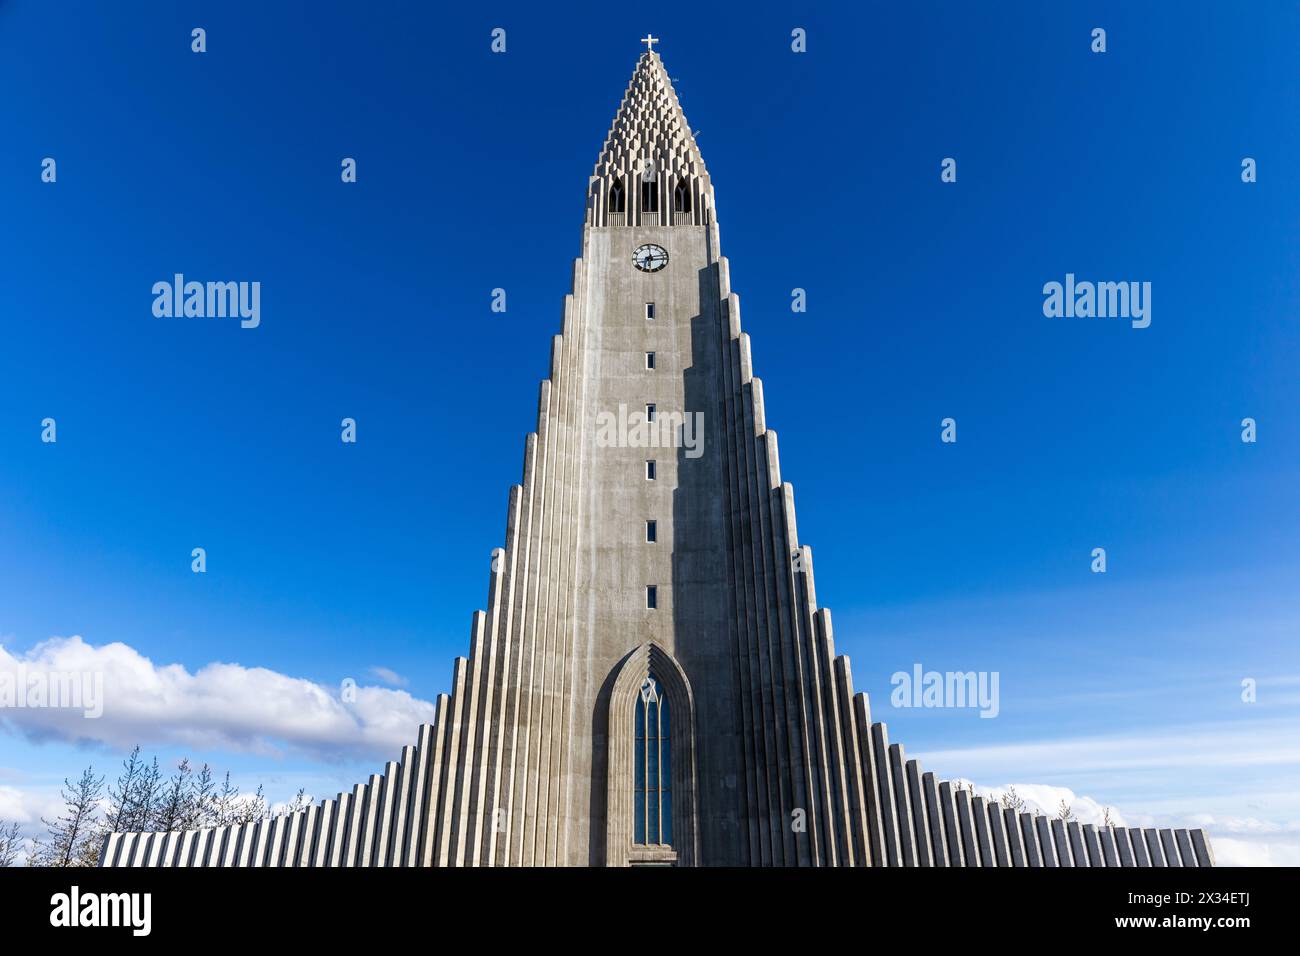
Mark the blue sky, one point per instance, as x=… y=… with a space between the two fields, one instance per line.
x=924 y=301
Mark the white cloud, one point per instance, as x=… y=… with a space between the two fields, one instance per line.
x=386 y=675
x=1046 y=799
x=218 y=707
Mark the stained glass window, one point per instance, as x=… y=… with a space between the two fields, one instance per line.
x=652 y=779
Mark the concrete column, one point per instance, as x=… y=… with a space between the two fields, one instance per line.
x=988 y=857
x=934 y=819
x=1138 y=844
x=370 y=820
x=339 y=831
x=966 y=821
x=185 y=855
x=387 y=812
x=1201 y=848
x=171 y=846
x=1015 y=841
x=1170 y=846
x=1046 y=840
x=203 y=848
x=398 y=838
x=1029 y=833
x=952 y=831
x=888 y=818
x=325 y=821
x=902 y=805
x=1152 y=839
x=303 y=850
x=355 y=838
x=1076 y=843
x=920 y=813
x=1109 y=848
x=280 y=827
x=998 y=834
x=1064 y=856
x=1093 y=845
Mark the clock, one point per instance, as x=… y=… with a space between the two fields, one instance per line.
x=650 y=258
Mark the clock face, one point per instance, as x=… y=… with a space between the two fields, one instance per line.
x=650 y=258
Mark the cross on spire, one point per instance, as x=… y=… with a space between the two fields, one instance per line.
x=650 y=40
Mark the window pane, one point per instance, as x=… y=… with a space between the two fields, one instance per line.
x=640 y=718
x=653 y=835
x=667 y=835
x=667 y=762
x=638 y=816
x=652 y=767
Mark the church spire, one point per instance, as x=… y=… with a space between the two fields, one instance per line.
x=650 y=171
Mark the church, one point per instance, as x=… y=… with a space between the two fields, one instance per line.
x=652 y=681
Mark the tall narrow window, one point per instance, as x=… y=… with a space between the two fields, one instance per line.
x=649 y=310
x=651 y=471
x=649 y=360
x=652 y=776
x=682 y=198
x=650 y=413
x=651 y=596
x=650 y=196
x=617 y=197
x=651 y=532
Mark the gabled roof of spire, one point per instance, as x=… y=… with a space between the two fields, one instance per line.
x=650 y=127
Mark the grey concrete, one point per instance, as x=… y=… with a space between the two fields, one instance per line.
x=951 y=830
x=1170 y=846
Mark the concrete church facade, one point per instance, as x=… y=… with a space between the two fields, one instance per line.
x=652 y=681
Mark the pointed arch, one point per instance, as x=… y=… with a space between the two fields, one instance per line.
x=617 y=196
x=682 y=196
x=622 y=847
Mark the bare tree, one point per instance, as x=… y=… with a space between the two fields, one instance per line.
x=148 y=791
x=1065 y=812
x=173 y=809
x=122 y=794
x=300 y=802
x=1106 y=819
x=224 y=805
x=201 y=809
x=73 y=838
x=254 y=808
x=1012 y=800
x=10 y=844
